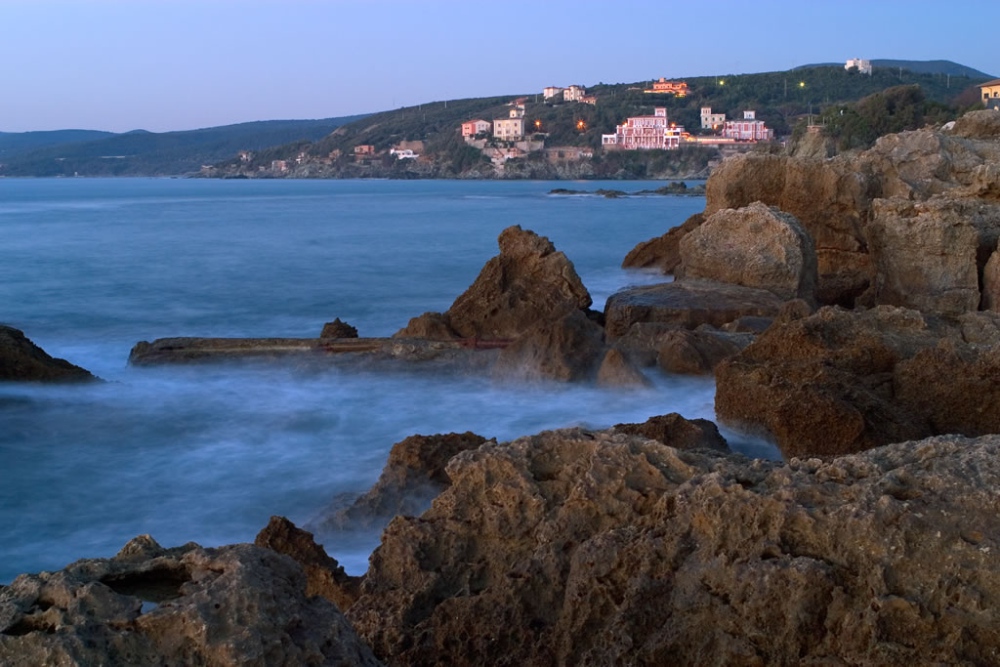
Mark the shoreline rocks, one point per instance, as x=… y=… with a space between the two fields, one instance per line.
x=23 y=361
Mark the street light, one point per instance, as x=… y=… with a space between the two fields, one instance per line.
x=580 y=125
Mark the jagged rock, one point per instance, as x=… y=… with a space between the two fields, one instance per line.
x=235 y=605
x=982 y=124
x=991 y=283
x=324 y=575
x=583 y=548
x=698 y=352
x=22 y=360
x=413 y=475
x=676 y=431
x=617 y=370
x=838 y=382
x=830 y=198
x=528 y=283
x=688 y=304
x=568 y=350
x=338 y=329
x=430 y=326
x=662 y=252
x=753 y=246
x=929 y=255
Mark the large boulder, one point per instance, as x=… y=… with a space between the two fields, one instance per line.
x=413 y=475
x=529 y=282
x=698 y=352
x=676 y=431
x=22 y=360
x=687 y=304
x=235 y=605
x=929 y=255
x=754 y=246
x=663 y=252
x=600 y=548
x=830 y=198
x=838 y=381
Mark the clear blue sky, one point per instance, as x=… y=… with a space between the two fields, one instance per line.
x=165 y=65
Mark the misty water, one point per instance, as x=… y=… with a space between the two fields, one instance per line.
x=207 y=453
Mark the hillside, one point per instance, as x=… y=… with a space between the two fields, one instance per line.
x=946 y=67
x=781 y=99
x=148 y=153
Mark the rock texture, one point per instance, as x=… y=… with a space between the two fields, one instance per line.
x=569 y=349
x=324 y=575
x=686 y=304
x=991 y=283
x=584 y=548
x=22 y=360
x=698 y=352
x=529 y=282
x=338 y=329
x=236 y=605
x=754 y=246
x=414 y=473
x=663 y=252
x=838 y=381
x=676 y=431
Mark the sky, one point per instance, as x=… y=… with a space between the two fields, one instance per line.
x=163 y=65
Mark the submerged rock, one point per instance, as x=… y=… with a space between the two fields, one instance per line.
x=22 y=360
x=235 y=605
x=597 y=548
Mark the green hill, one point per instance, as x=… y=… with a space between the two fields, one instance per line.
x=13 y=144
x=154 y=154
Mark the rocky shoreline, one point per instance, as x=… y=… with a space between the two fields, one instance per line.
x=848 y=308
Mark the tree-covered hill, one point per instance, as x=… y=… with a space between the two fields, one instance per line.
x=158 y=154
x=13 y=144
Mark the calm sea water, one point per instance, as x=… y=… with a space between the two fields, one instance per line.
x=208 y=453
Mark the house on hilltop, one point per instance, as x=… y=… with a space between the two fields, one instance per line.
x=711 y=121
x=991 y=94
x=864 y=66
x=471 y=128
x=511 y=128
x=645 y=133
x=664 y=87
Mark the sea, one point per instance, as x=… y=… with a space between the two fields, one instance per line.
x=209 y=452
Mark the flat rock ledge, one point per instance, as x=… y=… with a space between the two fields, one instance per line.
x=601 y=548
x=236 y=605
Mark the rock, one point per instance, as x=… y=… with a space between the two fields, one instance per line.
x=324 y=576
x=431 y=326
x=754 y=246
x=528 y=283
x=567 y=350
x=413 y=475
x=839 y=382
x=830 y=198
x=600 y=548
x=749 y=324
x=662 y=252
x=617 y=370
x=929 y=255
x=676 y=431
x=698 y=352
x=338 y=329
x=22 y=360
x=982 y=124
x=236 y=605
x=687 y=304
x=991 y=283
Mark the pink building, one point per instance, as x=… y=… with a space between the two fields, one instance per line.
x=748 y=129
x=473 y=127
x=645 y=133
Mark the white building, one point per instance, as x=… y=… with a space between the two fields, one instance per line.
x=645 y=133
x=551 y=91
x=748 y=129
x=512 y=128
x=864 y=66
x=574 y=93
x=711 y=121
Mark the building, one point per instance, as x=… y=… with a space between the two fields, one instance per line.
x=589 y=99
x=403 y=153
x=364 y=149
x=471 y=128
x=574 y=93
x=645 y=133
x=512 y=128
x=748 y=129
x=711 y=121
x=664 y=87
x=991 y=94
x=246 y=156
x=551 y=91
x=864 y=66
x=280 y=166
